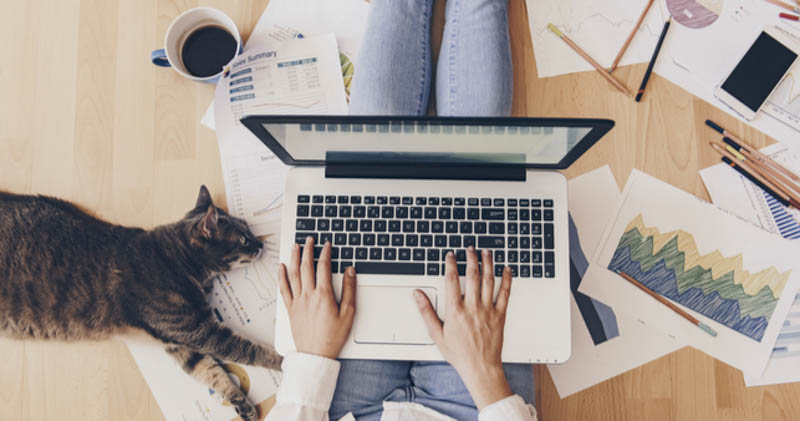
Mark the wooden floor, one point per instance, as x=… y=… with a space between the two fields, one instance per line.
x=85 y=116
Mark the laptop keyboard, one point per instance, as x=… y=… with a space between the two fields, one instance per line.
x=394 y=235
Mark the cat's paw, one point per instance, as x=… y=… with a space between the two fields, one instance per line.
x=246 y=411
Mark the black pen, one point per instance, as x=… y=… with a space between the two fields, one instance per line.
x=653 y=60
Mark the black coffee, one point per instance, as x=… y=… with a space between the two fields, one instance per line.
x=207 y=49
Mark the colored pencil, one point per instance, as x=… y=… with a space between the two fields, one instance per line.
x=757 y=155
x=789 y=16
x=630 y=37
x=693 y=320
x=788 y=187
x=653 y=60
x=591 y=61
x=750 y=174
x=784 y=5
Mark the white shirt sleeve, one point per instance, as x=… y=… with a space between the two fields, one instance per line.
x=306 y=389
x=512 y=408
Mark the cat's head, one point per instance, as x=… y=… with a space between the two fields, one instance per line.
x=223 y=239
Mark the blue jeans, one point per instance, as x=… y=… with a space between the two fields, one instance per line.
x=363 y=385
x=394 y=66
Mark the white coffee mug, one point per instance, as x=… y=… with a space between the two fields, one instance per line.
x=180 y=29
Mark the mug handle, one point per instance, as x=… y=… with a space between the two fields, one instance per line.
x=159 y=58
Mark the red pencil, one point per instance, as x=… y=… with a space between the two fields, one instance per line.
x=790 y=17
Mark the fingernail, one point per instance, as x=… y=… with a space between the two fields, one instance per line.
x=419 y=297
x=450 y=253
x=485 y=252
x=309 y=239
x=351 y=271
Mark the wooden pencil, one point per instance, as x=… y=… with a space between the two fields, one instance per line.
x=630 y=37
x=784 y=5
x=769 y=172
x=669 y=304
x=591 y=61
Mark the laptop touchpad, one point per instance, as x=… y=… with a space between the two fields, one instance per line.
x=389 y=315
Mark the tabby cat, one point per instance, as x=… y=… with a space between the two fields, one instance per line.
x=66 y=275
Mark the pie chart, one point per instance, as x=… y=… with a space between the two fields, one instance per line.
x=695 y=14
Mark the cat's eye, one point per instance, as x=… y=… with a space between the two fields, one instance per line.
x=244 y=241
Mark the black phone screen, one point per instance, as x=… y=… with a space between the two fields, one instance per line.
x=761 y=68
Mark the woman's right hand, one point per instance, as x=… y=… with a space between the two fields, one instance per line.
x=471 y=338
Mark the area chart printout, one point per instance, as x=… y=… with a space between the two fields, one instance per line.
x=298 y=76
x=730 y=274
x=730 y=191
x=599 y=27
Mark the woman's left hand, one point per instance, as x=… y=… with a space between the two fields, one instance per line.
x=319 y=325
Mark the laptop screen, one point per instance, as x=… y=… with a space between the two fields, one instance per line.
x=483 y=141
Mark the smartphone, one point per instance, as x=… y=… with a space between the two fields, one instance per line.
x=759 y=72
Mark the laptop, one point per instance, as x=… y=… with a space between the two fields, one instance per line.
x=394 y=194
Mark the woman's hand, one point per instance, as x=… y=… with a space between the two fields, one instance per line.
x=471 y=338
x=319 y=326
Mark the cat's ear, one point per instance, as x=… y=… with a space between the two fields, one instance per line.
x=208 y=223
x=203 y=198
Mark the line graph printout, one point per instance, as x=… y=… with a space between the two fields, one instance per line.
x=298 y=76
x=733 y=192
x=599 y=27
x=784 y=103
x=727 y=272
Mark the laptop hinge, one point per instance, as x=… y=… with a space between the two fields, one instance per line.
x=426 y=171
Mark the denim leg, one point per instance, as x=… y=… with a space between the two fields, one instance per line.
x=438 y=386
x=475 y=75
x=393 y=68
x=363 y=385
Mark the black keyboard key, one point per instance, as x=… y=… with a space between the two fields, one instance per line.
x=344 y=265
x=525 y=256
x=513 y=256
x=394 y=226
x=433 y=201
x=473 y=201
x=404 y=254
x=537 y=271
x=412 y=240
x=381 y=268
x=345 y=211
x=323 y=224
x=419 y=254
x=524 y=242
x=493 y=214
x=465 y=227
x=356 y=200
x=548 y=214
x=369 y=200
x=383 y=239
x=444 y=213
x=497 y=228
x=354 y=239
x=387 y=212
x=397 y=240
x=549 y=241
x=416 y=212
x=445 y=252
x=407 y=200
x=512 y=228
x=305 y=224
x=426 y=240
x=461 y=255
x=536 y=229
x=326 y=237
x=469 y=241
x=512 y=214
x=514 y=270
x=536 y=257
x=498 y=271
x=337 y=225
x=380 y=226
x=486 y=202
x=359 y=211
x=303 y=198
x=433 y=255
x=421 y=201
x=302 y=210
x=390 y=254
x=347 y=253
x=461 y=268
x=340 y=239
x=369 y=239
x=524 y=229
x=513 y=242
x=549 y=264
x=524 y=203
x=365 y=225
x=430 y=213
x=473 y=213
x=433 y=269
x=440 y=241
x=536 y=243
x=382 y=200
x=525 y=271
x=536 y=215
x=317 y=199
x=480 y=228
x=454 y=241
x=512 y=202
x=423 y=226
x=524 y=214
x=451 y=227
x=343 y=199
x=394 y=200
x=408 y=226
x=330 y=211
x=548 y=203
x=459 y=213
x=499 y=203
x=535 y=203
x=375 y=253
x=300 y=237
x=437 y=226
x=317 y=253
x=351 y=225
x=317 y=210
x=334 y=267
x=362 y=253
x=330 y=199
x=459 y=201
x=447 y=201
x=491 y=242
